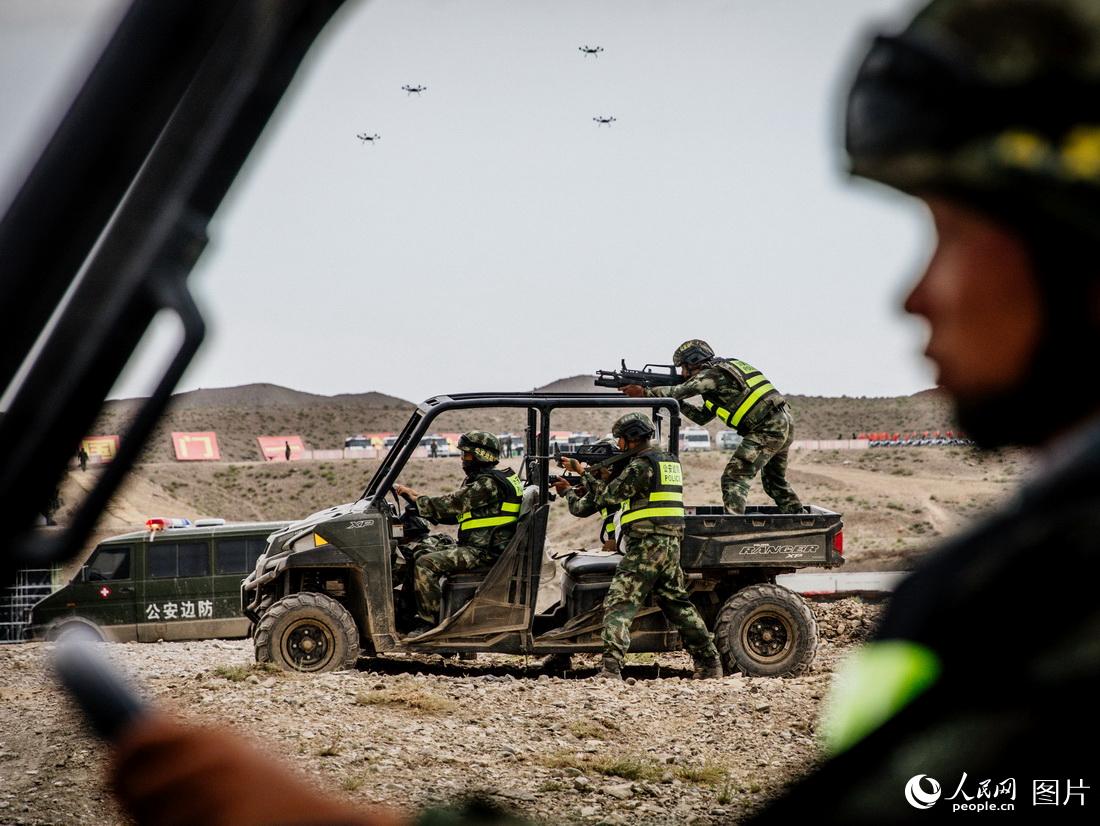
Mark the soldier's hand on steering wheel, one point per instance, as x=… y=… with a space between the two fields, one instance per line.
x=405 y=492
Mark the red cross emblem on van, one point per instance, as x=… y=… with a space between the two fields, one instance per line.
x=105 y=592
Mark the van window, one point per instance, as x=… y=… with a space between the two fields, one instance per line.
x=170 y=559
x=109 y=562
x=239 y=555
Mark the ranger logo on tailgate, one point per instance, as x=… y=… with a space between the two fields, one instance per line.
x=789 y=551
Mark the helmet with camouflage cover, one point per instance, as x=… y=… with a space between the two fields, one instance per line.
x=991 y=102
x=634 y=427
x=484 y=445
x=692 y=352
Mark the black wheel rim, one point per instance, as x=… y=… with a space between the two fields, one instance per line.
x=767 y=636
x=308 y=645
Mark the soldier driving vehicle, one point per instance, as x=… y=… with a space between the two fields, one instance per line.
x=650 y=494
x=485 y=508
x=739 y=395
x=321 y=596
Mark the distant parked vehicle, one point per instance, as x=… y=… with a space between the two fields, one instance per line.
x=357 y=443
x=442 y=446
x=728 y=439
x=694 y=438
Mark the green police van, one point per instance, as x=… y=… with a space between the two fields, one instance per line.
x=175 y=581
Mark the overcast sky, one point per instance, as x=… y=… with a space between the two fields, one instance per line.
x=496 y=238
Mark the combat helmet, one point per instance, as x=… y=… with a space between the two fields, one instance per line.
x=635 y=427
x=991 y=102
x=484 y=445
x=692 y=352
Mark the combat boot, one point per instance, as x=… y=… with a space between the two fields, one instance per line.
x=611 y=670
x=707 y=669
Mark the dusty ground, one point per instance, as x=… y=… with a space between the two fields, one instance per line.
x=408 y=732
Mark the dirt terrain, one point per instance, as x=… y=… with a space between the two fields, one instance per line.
x=414 y=731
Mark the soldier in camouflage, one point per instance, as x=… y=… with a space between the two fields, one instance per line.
x=739 y=395
x=652 y=524
x=581 y=502
x=486 y=509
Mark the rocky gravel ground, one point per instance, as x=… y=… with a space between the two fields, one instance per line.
x=407 y=732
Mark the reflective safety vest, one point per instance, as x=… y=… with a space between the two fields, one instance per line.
x=757 y=389
x=506 y=513
x=664 y=504
x=607 y=531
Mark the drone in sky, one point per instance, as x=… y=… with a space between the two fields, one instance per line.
x=414 y=90
x=591 y=50
x=604 y=120
x=365 y=138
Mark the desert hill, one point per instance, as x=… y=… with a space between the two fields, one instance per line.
x=239 y=414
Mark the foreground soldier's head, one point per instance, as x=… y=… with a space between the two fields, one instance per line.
x=989 y=111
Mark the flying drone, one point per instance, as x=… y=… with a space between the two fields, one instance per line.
x=365 y=138
x=604 y=120
x=414 y=90
x=591 y=50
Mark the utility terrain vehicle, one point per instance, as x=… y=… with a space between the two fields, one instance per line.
x=322 y=595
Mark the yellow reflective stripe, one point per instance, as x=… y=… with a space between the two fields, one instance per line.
x=720 y=412
x=748 y=403
x=755 y=380
x=487 y=522
x=651 y=513
x=464 y=517
x=873 y=685
x=666 y=496
x=510 y=507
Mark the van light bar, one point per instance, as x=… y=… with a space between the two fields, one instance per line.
x=160 y=523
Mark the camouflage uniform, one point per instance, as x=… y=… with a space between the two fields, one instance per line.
x=766 y=429
x=651 y=564
x=439 y=555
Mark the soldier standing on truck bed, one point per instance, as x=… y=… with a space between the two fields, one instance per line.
x=739 y=395
x=485 y=508
x=986 y=110
x=652 y=523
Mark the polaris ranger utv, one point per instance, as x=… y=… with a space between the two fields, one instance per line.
x=322 y=594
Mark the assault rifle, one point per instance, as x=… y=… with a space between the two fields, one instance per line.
x=652 y=375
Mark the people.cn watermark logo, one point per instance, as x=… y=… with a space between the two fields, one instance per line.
x=917 y=796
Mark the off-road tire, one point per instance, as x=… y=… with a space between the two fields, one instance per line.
x=307 y=632
x=766 y=630
x=74 y=628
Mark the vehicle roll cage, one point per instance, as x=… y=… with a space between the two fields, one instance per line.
x=536 y=434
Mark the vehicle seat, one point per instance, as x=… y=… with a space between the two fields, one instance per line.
x=582 y=566
x=459 y=587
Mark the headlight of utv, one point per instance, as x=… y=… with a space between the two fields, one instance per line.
x=307 y=541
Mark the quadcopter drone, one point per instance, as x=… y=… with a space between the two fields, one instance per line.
x=591 y=50
x=411 y=90
x=604 y=120
x=365 y=138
